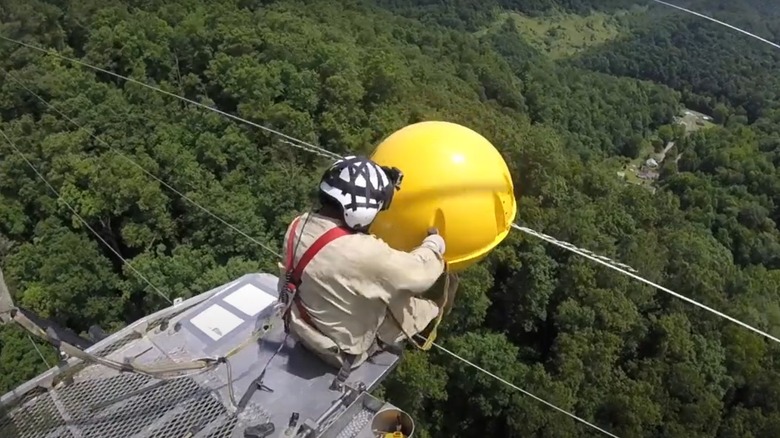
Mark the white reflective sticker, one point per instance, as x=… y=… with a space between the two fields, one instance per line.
x=216 y=321
x=250 y=299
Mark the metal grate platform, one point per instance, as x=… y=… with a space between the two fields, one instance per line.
x=37 y=417
x=358 y=422
x=89 y=408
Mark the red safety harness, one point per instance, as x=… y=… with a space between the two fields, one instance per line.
x=294 y=272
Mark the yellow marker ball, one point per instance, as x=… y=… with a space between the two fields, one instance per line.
x=454 y=180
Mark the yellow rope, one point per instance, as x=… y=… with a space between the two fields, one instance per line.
x=432 y=335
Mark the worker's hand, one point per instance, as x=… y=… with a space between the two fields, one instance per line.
x=435 y=242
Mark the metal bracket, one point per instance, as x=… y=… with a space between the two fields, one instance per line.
x=310 y=428
x=352 y=393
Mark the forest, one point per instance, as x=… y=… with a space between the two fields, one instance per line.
x=345 y=74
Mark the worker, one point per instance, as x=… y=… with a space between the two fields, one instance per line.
x=350 y=294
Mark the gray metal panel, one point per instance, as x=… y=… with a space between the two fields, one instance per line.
x=199 y=404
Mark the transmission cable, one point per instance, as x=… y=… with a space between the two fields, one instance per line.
x=82 y=220
x=294 y=141
x=38 y=350
x=722 y=23
x=133 y=162
x=517 y=388
x=610 y=264
x=31 y=327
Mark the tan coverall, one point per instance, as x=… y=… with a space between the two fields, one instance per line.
x=350 y=286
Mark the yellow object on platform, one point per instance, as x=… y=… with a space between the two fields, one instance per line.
x=454 y=180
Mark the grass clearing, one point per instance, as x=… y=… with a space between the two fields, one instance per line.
x=563 y=35
x=694 y=121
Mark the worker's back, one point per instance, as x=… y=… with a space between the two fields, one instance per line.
x=347 y=287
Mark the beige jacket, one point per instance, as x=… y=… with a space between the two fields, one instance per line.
x=351 y=284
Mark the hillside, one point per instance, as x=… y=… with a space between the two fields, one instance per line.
x=566 y=110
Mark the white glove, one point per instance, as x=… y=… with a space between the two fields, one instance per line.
x=435 y=242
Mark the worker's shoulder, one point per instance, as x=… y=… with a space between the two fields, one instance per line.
x=361 y=245
x=367 y=242
x=355 y=251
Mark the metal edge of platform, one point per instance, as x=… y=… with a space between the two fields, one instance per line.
x=136 y=329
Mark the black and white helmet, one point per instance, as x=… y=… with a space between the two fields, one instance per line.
x=361 y=187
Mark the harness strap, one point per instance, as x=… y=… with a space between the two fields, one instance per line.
x=288 y=262
x=295 y=271
x=330 y=235
x=346 y=369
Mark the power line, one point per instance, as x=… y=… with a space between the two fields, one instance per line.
x=117 y=151
x=517 y=388
x=293 y=141
x=78 y=216
x=775 y=45
x=38 y=350
x=610 y=264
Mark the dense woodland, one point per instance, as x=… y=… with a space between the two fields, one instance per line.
x=345 y=74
